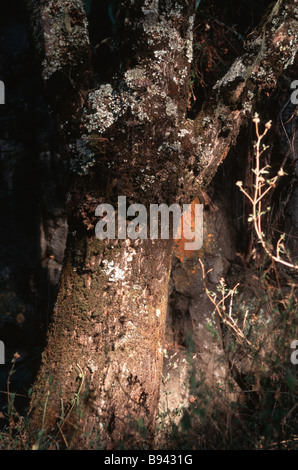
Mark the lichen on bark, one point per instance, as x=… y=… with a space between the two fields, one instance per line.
x=109 y=319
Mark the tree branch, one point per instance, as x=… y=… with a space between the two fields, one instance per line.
x=270 y=49
x=148 y=96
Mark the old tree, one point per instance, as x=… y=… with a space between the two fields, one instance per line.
x=129 y=136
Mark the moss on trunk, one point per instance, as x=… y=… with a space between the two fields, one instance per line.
x=101 y=370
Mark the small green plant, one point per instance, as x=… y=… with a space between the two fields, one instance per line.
x=14 y=435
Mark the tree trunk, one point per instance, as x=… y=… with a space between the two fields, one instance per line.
x=106 y=342
x=131 y=138
x=105 y=345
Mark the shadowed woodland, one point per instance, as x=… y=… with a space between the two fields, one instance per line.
x=163 y=103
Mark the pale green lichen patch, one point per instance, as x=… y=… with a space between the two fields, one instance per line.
x=103 y=109
x=63 y=36
x=159 y=27
x=118 y=269
x=114 y=272
x=147 y=94
x=238 y=70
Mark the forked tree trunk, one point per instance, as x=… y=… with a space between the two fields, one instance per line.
x=100 y=372
x=105 y=347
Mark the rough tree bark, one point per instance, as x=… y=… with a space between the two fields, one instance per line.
x=131 y=137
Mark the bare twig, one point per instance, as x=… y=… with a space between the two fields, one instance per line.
x=260 y=190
